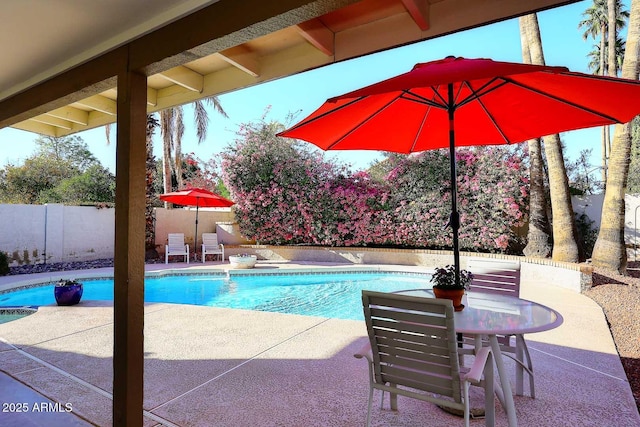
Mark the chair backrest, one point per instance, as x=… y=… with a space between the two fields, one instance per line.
x=495 y=275
x=413 y=342
x=210 y=239
x=175 y=241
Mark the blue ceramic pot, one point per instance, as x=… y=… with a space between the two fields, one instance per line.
x=69 y=294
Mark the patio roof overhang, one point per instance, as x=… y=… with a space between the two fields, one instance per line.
x=63 y=58
x=70 y=66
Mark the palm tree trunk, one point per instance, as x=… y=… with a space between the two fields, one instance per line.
x=612 y=63
x=538 y=235
x=610 y=249
x=172 y=132
x=150 y=246
x=177 y=146
x=565 y=247
x=603 y=172
x=166 y=130
x=612 y=68
x=605 y=129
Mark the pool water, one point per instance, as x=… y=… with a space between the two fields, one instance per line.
x=9 y=314
x=4 y=318
x=336 y=295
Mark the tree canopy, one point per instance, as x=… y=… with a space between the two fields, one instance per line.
x=62 y=170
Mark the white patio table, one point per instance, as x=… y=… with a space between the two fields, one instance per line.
x=489 y=315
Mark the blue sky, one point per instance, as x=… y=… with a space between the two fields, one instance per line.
x=562 y=43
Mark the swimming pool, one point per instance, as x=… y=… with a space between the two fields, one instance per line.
x=335 y=295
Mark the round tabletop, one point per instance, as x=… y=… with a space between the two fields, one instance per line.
x=492 y=313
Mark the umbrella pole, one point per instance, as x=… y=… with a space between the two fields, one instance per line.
x=454 y=219
x=195 y=238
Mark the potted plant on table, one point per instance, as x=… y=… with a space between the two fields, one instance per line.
x=445 y=286
x=68 y=291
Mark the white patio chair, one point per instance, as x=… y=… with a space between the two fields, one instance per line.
x=502 y=276
x=176 y=246
x=210 y=246
x=413 y=352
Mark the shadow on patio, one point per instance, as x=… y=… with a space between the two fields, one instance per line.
x=209 y=366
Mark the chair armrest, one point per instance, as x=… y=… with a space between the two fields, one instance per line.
x=475 y=373
x=365 y=352
x=221 y=246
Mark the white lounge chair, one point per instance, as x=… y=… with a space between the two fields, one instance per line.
x=210 y=246
x=413 y=352
x=176 y=246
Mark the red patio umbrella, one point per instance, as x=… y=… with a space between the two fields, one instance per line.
x=196 y=197
x=463 y=102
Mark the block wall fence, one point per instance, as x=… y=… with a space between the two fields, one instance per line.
x=35 y=234
x=32 y=234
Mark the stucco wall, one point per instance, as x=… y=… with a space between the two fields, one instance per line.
x=31 y=234
x=89 y=233
x=219 y=221
x=22 y=232
x=592 y=206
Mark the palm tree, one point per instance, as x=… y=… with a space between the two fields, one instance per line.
x=538 y=235
x=596 y=23
x=565 y=247
x=594 y=57
x=172 y=131
x=610 y=250
x=150 y=246
x=613 y=6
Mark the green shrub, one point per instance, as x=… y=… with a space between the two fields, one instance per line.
x=587 y=233
x=4 y=264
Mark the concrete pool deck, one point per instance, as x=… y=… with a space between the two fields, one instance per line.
x=220 y=367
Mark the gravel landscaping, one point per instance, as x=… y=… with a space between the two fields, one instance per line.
x=619 y=297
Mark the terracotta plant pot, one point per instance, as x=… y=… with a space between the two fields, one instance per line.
x=454 y=295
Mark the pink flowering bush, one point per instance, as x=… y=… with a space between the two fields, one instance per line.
x=200 y=174
x=492 y=199
x=493 y=185
x=286 y=192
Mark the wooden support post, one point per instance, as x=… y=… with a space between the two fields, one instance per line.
x=128 y=302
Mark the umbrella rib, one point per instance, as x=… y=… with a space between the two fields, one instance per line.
x=495 y=124
x=411 y=96
x=478 y=97
x=424 y=120
x=348 y=104
x=475 y=94
x=483 y=90
x=362 y=122
x=562 y=100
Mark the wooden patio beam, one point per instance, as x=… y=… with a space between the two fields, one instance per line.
x=129 y=251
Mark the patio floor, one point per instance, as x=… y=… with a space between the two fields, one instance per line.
x=220 y=367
